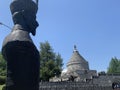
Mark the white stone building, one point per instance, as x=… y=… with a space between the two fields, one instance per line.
x=78 y=68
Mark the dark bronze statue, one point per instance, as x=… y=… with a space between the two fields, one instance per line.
x=19 y=50
x=24 y=13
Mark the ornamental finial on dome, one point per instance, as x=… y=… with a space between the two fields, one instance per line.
x=75 y=48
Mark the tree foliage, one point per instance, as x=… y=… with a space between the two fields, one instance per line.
x=2 y=66
x=50 y=62
x=3 y=70
x=114 y=66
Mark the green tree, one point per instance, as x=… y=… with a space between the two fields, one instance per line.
x=50 y=62
x=114 y=66
x=3 y=70
x=2 y=66
x=58 y=64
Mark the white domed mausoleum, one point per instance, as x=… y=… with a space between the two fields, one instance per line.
x=77 y=62
x=78 y=67
x=78 y=70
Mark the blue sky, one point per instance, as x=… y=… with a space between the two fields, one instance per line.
x=92 y=25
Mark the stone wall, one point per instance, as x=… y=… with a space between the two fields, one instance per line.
x=71 y=86
x=106 y=80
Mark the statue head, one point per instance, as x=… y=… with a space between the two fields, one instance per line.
x=24 y=13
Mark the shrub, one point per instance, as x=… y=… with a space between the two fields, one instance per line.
x=2 y=80
x=4 y=87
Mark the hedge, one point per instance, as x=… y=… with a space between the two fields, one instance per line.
x=2 y=80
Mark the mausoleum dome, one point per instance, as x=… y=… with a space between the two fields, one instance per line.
x=77 y=62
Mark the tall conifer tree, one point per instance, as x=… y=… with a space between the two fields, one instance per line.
x=50 y=62
x=114 y=66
